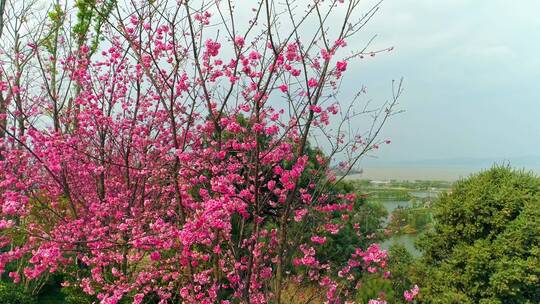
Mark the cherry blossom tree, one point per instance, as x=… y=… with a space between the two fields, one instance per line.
x=166 y=149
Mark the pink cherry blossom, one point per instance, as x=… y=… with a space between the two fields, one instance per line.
x=312 y=82
x=409 y=295
x=341 y=66
x=173 y=156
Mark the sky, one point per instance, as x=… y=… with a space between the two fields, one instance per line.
x=471 y=71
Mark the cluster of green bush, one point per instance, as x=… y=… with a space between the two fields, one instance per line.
x=15 y=294
x=11 y=293
x=484 y=246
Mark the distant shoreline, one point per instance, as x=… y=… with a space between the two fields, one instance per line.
x=410 y=173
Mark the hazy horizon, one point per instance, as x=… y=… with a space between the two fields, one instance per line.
x=449 y=169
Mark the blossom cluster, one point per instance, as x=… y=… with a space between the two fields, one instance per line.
x=180 y=166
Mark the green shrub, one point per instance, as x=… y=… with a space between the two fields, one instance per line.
x=485 y=245
x=14 y=294
x=375 y=287
x=75 y=295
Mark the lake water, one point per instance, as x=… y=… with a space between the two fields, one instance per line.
x=424 y=194
x=406 y=240
x=390 y=206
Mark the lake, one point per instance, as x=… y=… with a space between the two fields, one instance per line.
x=406 y=240
x=390 y=206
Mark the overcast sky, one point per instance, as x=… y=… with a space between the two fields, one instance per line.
x=471 y=70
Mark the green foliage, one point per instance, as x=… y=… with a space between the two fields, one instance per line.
x=480 y=208
x=90 y=13
x=56 y=14
x=373 y=287
x=485 y=246
x=56 y=19
x=14 y=294
x=84 y=17
x=399 y=263
x=75 y=295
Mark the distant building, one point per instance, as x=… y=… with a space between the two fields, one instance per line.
x=379 y=183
